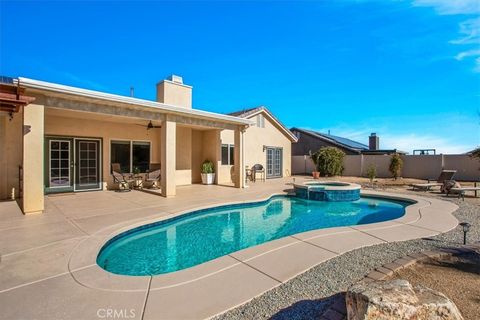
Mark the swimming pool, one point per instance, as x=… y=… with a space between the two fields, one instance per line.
x=200 y=236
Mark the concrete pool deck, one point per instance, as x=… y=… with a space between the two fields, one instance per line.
x=48 y=267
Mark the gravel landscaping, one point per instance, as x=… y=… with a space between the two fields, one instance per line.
x=457 y=277
x=308 y=295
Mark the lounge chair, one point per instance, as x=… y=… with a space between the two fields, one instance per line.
x=153 y=175
x=124 y=181
x=445 y=175
x=455 y=187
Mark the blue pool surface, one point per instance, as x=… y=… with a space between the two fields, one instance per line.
x=200 y=236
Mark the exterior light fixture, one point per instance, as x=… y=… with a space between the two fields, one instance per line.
x=466 y=227
x=264 y=148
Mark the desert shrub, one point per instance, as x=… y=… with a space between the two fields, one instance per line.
x=329 y=161
x=371 y=172
x=396 y=164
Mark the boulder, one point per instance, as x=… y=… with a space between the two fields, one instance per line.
x=398 y=300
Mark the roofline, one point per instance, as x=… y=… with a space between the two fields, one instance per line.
x=58 y=88
x=261 y=109
x=329 y=140
x=383 y=151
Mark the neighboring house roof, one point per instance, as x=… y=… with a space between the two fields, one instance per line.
x=348 y=144
x=249 y=113
x=476 y=150
x=384 y=151
x=57 y=88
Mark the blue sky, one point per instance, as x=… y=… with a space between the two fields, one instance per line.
x=407 y=70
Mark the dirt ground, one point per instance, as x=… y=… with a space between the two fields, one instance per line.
x=458 y=278
x=403 y=185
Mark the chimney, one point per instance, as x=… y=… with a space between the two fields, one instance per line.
x=373 y=142
x=172 y=91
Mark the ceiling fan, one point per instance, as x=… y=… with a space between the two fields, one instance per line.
x=149 y=125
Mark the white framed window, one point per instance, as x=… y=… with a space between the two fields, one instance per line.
x=130 y=155
x=228 y=154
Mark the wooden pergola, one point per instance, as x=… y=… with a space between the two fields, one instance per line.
x=12 y=96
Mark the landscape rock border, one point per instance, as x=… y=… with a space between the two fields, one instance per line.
x=338 y=310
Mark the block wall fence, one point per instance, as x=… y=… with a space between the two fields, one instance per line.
x=414 y=166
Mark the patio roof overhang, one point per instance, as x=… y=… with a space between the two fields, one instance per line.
x=83 y=100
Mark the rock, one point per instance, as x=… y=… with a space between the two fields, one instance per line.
x=398 y=300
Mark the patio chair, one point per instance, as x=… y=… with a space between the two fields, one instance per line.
x=445 y=175
x=124 y=181
x=455 y=187
x=248 y=174
x=258 y=168
x=153 y=175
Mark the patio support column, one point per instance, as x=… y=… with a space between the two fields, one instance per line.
x=33 y=159
x=239 y=158
x=168 y=157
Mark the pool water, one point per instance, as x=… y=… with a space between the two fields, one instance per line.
x=200 y=236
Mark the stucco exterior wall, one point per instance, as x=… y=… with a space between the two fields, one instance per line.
x=174 y=94
x=183 y=156
x=468 y=168
x=226 y=171
x=107 y=131
x=211 y=151
x=197 y=155
x=11 y=142
x=422 y=166
x=11 y=136
x=254 y=140
x=33 y=160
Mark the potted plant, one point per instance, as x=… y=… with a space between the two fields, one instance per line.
x=208 y=172
x=314 y=157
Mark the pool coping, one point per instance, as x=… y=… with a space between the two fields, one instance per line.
x=275 y=261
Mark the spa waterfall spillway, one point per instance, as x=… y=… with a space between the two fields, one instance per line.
x=328 y=191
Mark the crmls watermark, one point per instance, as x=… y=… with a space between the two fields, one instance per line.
x=110 y=313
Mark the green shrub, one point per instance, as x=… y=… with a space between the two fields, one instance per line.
x=396 y=164
x=208 y=167
x=314 y=157
x=371 y=172
x=329 y=161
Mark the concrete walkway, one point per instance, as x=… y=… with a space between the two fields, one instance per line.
x=48 y=268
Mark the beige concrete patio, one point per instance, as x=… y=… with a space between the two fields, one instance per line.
x=48 y=267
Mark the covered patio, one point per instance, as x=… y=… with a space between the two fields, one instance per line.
x=72 y=136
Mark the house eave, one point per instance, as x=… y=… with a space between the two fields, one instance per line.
x=285 y=130
x=97 y=95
